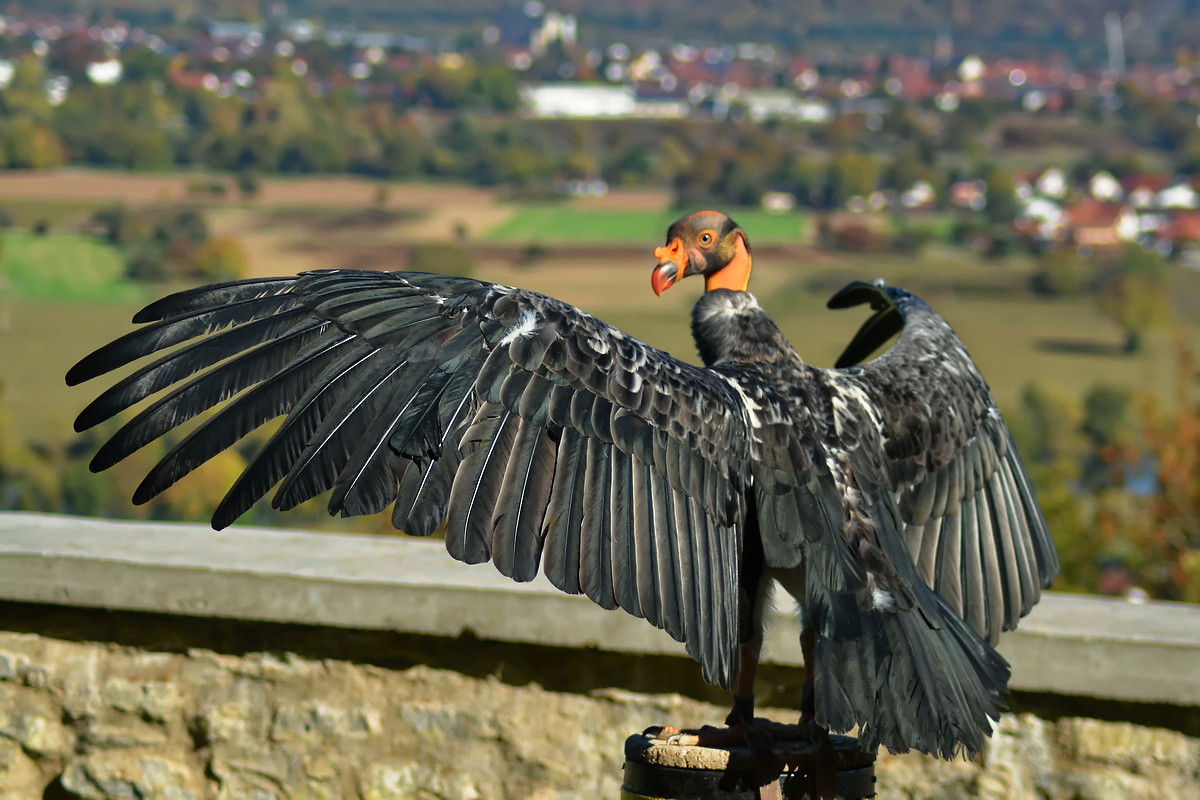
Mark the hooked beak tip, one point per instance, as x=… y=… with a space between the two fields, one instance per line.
x=663 y=277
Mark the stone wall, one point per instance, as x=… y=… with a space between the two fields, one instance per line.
x=94 y=705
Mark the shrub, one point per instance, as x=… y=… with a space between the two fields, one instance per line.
x=1060 y=273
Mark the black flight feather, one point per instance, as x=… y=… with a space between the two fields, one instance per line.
x=521 y=503
x=564 y=514
x=486 y=446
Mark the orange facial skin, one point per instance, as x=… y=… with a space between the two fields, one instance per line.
x=704 y=243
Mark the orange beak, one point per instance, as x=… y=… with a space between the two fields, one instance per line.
x=672 y=263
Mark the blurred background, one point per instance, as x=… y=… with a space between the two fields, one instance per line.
x=1031 y=170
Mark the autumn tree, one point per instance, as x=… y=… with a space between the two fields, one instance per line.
x=1159 y=531
x=220 y=259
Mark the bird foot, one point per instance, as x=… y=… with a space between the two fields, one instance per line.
x=736 y=735
x=768 y=764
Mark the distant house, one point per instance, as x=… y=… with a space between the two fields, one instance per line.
x=778 y=202
x=1141 y=190
x=969 y=194
x=1104 y=187
x=1096 y=225
x=1052 y=183
x=1177 y=195
x=920 y=195
x=105 y=72
x=1042 y=219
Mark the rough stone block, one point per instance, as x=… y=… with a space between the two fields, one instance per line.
x=122 y=776
x=153 y=700
x=10 y=663
x=19 y=775
x=32 y=721
x=321 y=720
x=411 y=781
x=443 y=723
x=1127 y=745
x=1017 y=759
x=262 y=772
x=233 y=709
x=123 y=735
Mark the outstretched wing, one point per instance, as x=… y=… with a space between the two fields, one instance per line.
x=544 y=435
x=970 y=518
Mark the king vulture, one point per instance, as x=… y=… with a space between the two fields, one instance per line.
x=886 y=497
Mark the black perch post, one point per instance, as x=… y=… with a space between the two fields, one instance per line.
x=659 y=767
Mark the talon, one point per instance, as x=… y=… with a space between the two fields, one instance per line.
x=659 y=731
x=683 y=739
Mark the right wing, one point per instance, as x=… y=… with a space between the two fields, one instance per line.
x=544 y=435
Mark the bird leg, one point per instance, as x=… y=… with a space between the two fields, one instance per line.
x=824 y=774
x=740 y=730
x=767 y=763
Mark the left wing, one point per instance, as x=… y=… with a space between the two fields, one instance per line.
x=970 y=518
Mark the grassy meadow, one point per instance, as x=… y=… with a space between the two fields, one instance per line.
x=567 y=223
x=67 y=267
x=63 y=293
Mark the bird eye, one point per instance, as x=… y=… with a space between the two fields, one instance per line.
x=706 y=239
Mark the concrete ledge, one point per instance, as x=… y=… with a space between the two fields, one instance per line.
x=1069 y=645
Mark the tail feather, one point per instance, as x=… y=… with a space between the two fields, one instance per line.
x=912 y=681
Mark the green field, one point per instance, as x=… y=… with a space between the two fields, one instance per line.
x=68 y=267
x=553 y=224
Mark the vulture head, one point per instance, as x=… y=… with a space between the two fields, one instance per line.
x=704 y=243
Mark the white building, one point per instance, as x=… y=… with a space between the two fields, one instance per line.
x=1052 y=183
x=1177 y=195
x=1104 y=187
x=763 y=104
x=1045 y=216
x=577 y=100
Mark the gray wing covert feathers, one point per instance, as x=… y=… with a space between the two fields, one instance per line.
x=970 y=518
x=542 y=435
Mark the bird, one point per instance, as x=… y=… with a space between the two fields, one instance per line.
x=885 y=495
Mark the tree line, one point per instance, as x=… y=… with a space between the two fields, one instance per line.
x=460 y=122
